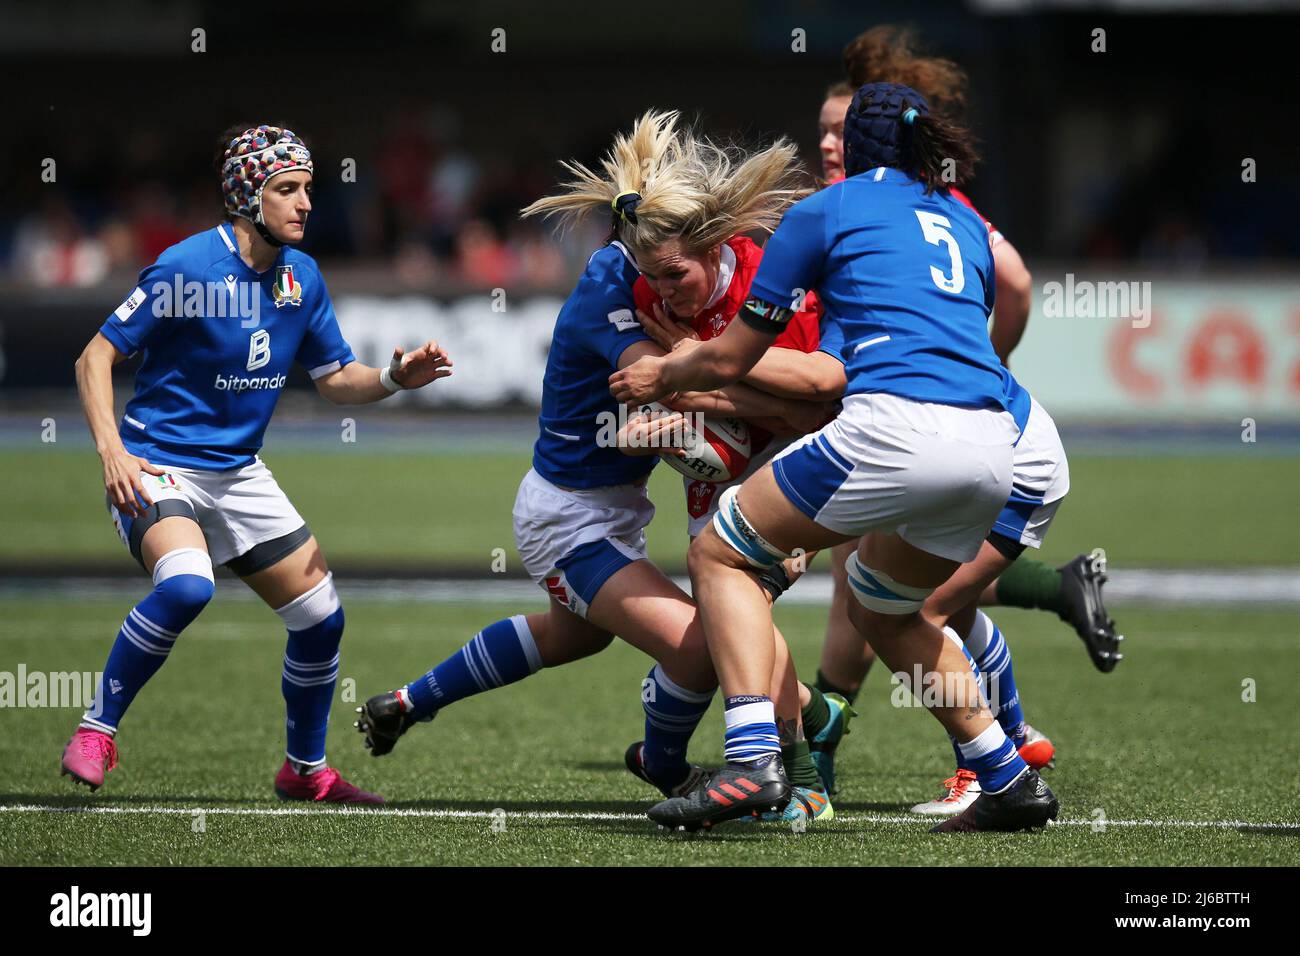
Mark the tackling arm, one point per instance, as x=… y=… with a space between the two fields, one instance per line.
x=1014 y=286
x=790 y=373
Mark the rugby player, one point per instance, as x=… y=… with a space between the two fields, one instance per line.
x=581 y=511
x=185 y=485
x=887 y=53
x=919 y=463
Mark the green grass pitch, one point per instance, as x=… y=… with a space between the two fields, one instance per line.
x=1150 y=757
x=454 y=509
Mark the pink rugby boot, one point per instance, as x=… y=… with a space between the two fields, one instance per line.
x=324 y=786
x=89 y=755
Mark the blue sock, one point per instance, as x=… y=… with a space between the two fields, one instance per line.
x=314 y=620
x=146 y=638
x=500 y=654
x=311 y=668
x=992 y=656
x=671 y=715
x=994 y=759
x=751 y=729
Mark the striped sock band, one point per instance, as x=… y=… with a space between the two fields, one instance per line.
x=500 y=654
x=751 y=729
x=994 y=759
x=671 y=715
x=992 y=656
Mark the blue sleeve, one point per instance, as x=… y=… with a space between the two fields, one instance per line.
x=794 y=257
x=145 y=315
x=607 y=314
x=323 y=349
x=831 y=337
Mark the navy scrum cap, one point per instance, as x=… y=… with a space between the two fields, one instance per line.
x=873 y=126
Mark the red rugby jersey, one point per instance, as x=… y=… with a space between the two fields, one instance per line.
x=801 y=333
x=708 y=323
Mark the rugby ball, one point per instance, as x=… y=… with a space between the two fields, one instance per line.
x=717 y=449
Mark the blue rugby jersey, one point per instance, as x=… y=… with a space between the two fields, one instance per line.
x=909 y=280
x=595 y=325
x=218 y=340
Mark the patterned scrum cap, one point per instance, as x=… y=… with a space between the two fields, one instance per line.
x=873 y=126
x=251 y=159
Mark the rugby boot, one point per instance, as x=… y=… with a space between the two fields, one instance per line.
x=736 y=790
x=323 y=786
x=962 y=788
x=1037 y=750
x=806 y=806
x=634 y=758
x=88 y=756
x=381 y=721
x=1085 y=611
x=823 y=744
x=1026 y=805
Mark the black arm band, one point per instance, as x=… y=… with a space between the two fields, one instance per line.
x=774 y=580
x=1009 y=548
x=765 y=317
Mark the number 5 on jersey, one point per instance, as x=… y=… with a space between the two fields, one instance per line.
x=935 y=229
x=259 y=349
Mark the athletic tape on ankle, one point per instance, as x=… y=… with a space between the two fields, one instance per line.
x=734 y=528
x=877 y=591
x=309 y=609
x=183 y=561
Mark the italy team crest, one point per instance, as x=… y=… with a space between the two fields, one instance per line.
x=287 y=288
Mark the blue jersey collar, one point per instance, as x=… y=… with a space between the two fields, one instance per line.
x=227 y=233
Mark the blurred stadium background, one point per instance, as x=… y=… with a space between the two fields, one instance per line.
x=1123 y=165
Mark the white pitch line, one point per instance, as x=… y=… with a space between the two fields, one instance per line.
x=562 y=815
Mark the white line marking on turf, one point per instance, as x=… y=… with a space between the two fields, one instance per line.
x=562 y=815
x=1225 y=587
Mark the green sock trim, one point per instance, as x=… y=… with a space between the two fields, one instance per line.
x=817 y=714
x=826 y=687
x=1029 y=583
x=799 y=766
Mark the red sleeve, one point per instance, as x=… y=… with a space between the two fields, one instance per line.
x=644 y=296
x=994 y=235
x=802 y=332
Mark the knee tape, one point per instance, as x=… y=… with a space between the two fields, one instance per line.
x=309 y=609
x=732 y=526
x=183 y=561
x=877 y=591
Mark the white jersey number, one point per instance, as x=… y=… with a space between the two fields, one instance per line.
x=935 y=229
x=259 y=349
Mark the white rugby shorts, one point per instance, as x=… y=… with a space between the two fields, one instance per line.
x=572 y=541
x=237 y=509
x=936 y=474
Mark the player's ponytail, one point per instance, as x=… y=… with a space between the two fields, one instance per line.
x=892 y=125
x=938 y=152
x=660 y=182
x=638 y=179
